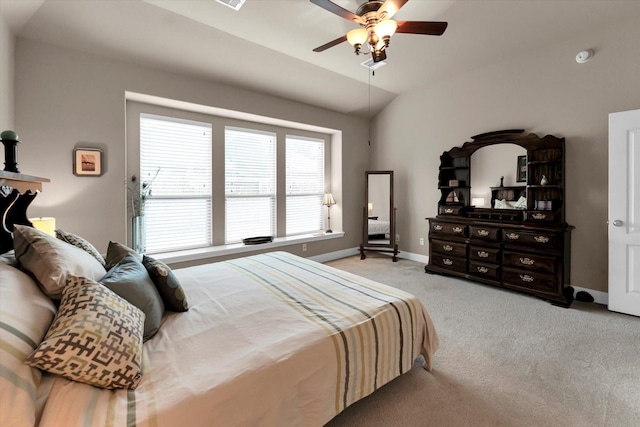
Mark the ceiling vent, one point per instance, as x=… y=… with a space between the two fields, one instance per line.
x=233 y=4
x=373 y=65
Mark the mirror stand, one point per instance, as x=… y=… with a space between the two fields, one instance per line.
x=379 y=215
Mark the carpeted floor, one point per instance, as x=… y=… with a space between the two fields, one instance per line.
x=505 y=359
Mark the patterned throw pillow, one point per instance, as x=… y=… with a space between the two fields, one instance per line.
x=95 y=338
x=130 y=280
x=116 y=252
x=81 y=243
x=51 y=261
x=167 y=283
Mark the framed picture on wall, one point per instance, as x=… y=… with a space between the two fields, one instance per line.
x=87 y=162
x=521 y=172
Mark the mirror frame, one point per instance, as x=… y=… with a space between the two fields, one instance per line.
x=379 y=247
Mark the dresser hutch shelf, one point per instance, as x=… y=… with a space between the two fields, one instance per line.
x=526 y=249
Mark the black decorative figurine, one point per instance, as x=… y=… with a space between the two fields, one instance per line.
x=10 y=141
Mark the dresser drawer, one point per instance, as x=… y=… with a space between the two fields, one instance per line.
x=540 y=263
x=491 y=255
x=450 y=210
x=528 y=280
x=484 y=233
x=490 y=271
x=541 y=216
x=447 y=228
x=542 y=239
x=451 y=249
x=454 y=264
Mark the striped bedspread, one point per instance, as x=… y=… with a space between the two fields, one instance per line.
x=269 y=340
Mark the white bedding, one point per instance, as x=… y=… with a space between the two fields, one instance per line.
x=377 y=226
x=269 y=340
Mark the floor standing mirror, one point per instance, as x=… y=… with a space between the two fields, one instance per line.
x=379 y=215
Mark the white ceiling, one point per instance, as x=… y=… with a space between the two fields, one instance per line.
x=267 y=45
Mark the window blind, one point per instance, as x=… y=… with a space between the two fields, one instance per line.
x=305 y=184
x=175 y=161
x=250 y=184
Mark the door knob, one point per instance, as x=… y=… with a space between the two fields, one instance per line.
x=617 y=223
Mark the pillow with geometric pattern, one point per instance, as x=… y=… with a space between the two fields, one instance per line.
x=81 y=243
x=95 y=338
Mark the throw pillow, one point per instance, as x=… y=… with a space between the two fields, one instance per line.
x=81 y=243
x=167 y=284
x=25 y=315
x=116 y=252
x=51 y=261
x=96 y=338
x=130 y=280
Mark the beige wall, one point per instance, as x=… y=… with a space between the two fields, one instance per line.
x=545 y=92
x=66 y=99
x=7 y=45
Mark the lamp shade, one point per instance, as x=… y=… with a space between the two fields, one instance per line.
x=357 y=36
x=386 y=28
x=45 y=224
x=328 y=200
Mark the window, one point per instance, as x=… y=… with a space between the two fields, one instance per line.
x=304 y=184
x=175 y=159
x=250 y=184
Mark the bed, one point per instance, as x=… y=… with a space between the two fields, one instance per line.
x=271 y=340
x=378 y=229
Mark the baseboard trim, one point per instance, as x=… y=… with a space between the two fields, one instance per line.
x=599 y=297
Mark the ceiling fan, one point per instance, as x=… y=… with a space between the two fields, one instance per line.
x=377 y=27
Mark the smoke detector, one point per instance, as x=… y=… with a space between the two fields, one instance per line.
x=233 y=4
x=584 y=56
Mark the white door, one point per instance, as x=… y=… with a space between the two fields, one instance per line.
x=624 y=212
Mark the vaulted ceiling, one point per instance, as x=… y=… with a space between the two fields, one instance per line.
x=267 y=45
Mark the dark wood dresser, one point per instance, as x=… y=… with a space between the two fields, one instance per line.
x=525 y=249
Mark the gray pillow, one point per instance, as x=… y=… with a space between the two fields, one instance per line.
x=52 y=261
x=167 y=284
x=116 y=252
x=130 y=280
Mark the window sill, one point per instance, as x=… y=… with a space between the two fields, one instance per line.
x=238 y=248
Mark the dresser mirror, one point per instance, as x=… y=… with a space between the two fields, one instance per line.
x=495 y=166
x=378 y=214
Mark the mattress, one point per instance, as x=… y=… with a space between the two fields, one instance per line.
x=270 y=340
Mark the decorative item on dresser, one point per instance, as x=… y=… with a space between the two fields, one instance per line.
x=522 y=241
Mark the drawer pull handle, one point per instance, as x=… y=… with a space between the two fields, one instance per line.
x=447 y=261
x=437 y=227
x=448 y=210
x=483 y=254
x=483 y=233
x=539 y=216
x=527 y=261
x=542 y=239
x=513 y=236
x=526 y=278
x=483 y=270
x=447 y=248
x=457 y=229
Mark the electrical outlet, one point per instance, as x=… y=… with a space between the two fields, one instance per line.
x=304 y=247
x=422 y=241
x=397 y=237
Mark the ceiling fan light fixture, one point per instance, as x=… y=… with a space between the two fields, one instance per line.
x=385 y=28
x=357 y=36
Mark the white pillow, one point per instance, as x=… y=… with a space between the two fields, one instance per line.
x=26 y=314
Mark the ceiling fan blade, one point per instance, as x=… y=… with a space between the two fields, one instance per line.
x=431 y=28
x=389 y=8
x=334 y=8
x=331 y=44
